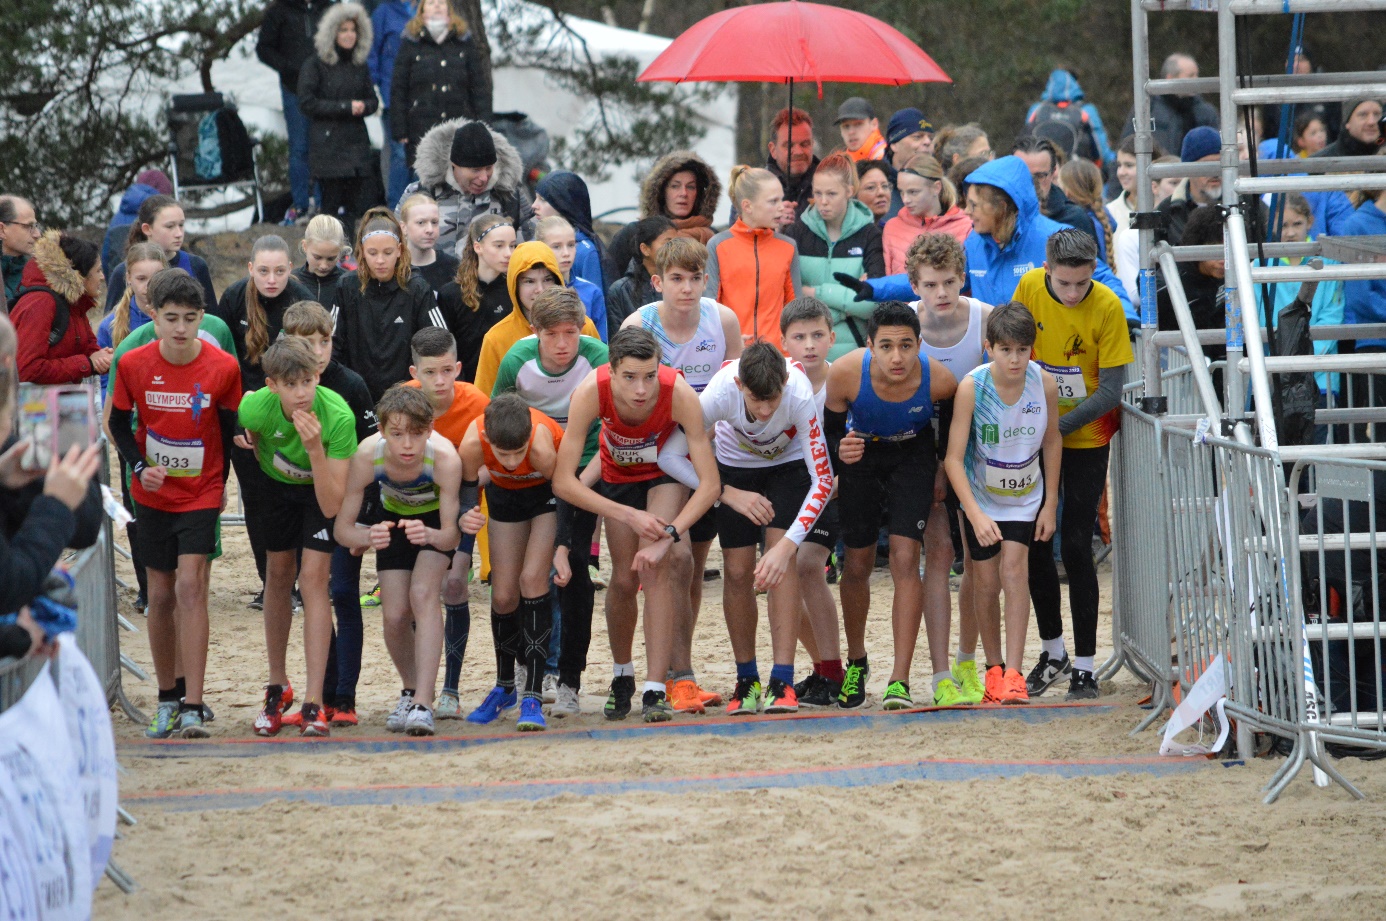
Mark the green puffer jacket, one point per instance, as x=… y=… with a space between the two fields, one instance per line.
x=856 y=252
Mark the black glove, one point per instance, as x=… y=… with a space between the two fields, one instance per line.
x=864 y=290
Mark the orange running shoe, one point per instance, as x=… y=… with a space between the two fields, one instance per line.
x=708 y=698
x=995 y=683
x=345 y=716
x=684 y=697
x=1013 y=688
x=314 y=719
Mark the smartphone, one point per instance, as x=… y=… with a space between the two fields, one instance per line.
x=53 y=420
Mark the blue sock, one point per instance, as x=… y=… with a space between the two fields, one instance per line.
x=747 y=670
x=783 y=673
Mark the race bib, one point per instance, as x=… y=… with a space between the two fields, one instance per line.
x=635 y=454
x=180 y=458
x=290 y=469
x=1013 y=479
x=1072 y=386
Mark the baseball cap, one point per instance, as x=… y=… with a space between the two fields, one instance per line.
x=853 y=109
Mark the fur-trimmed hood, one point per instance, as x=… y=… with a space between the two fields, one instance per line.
x=50 y=266
x=325 y=39
x=652 y=189
x=433 y=160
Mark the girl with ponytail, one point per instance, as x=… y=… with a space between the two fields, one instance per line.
x=479 y=297
x=160 y=220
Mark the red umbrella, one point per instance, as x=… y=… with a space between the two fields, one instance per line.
x=793 y=41
x=789 y=41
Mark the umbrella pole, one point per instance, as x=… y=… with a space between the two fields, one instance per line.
x=789 y=140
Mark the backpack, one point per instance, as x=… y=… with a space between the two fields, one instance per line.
x=1067 y=125
x=62 y=312
x=223 y=147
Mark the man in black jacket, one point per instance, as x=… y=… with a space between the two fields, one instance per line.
x=1361 y=136
x=1175 y=115
x=1043 y=158
x=286 y=41
x=792 y=161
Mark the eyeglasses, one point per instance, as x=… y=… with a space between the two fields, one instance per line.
x=34 y=227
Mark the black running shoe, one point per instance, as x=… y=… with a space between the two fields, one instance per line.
x=618 y=700
x=654 y=707
x=1083 y=686
x=852 y=694
x=1045 y=673
x=818 y=692
x=258 y=602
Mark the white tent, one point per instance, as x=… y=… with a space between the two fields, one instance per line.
x=527 y=89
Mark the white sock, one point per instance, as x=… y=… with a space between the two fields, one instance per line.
x=939 y=676
x=1083 y=663
x=627 y=670
x=967 y=656
x=1054 y=647
x=656 y=686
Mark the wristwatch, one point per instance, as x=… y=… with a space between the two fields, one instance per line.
x=672 y=532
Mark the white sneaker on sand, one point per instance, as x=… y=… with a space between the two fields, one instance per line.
x=565 y=703
x=550 y=691
x=396 y=720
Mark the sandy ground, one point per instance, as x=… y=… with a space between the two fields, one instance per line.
x=1119 y=845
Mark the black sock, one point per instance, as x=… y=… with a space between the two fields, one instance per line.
x=538 y=625
x=505 y=631
x=457 y=627
x=170 y=696
x=180 y=685
x=860 y=663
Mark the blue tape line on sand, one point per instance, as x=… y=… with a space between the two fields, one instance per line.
x=847 y=776
x=827 y=722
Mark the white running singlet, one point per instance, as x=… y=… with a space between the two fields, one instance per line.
x=701 y=356
x=1003 y=448
x=965 y=354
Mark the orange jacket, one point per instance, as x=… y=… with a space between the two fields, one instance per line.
x=873 y=148
x=755 y=273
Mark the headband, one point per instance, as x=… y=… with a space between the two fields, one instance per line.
x=491 y=228
x=378 y=232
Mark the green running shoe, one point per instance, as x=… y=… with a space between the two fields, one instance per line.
x=853 y=693
x=897 y=697
x=969 y=684
x=371 y=599
x=165 y=720
x=947 y=694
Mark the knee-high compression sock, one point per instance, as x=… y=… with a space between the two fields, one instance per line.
x=537 y=617
x=505 y=630
x=457 y=627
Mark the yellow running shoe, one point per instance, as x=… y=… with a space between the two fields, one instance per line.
x=947 y=694
x=970 y=688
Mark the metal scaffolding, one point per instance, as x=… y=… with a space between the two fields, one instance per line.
x=1238 y=425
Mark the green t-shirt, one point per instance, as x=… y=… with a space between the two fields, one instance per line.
x=551 y=394
x=277 y=445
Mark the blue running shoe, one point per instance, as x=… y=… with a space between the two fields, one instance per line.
x=493 y=707
x=531 y=716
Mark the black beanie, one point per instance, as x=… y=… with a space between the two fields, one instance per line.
x=473 y=147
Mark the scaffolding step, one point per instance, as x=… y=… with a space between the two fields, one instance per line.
x=1339 y=182
x=1291 y=453
x=1299 y=95
x=1292 y=364
x=1307 y=272
x=1336 y=631
x=1266 y=7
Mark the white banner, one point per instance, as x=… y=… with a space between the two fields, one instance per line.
x=42 y=787
x=93 y=744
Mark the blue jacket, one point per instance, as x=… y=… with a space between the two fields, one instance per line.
x=103 y=333
x=388 y=24
x=994 y=271
x=113 y=246
x=593 y=300
x=1064 y=87
x=1365 y=301
x=566 y=192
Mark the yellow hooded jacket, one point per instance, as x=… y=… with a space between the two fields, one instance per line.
x=515 y=327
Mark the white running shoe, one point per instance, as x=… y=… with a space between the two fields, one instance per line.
x=565 y=703
x=396 y=720
x=550 y=692
x=419 y=721
x=448 y=707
